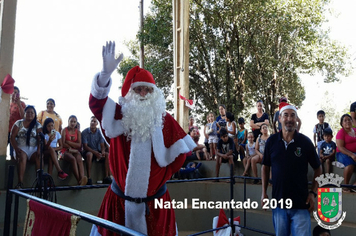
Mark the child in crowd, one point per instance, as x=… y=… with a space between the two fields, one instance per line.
x=241 y=138
x=224 y=151
x=319 y=129
x=221 y=119
x=53 y=143
x=250 y=153
x=327 y=150
x=230 y=125
x=72 y=144
x=210 y=133
x=260 y=149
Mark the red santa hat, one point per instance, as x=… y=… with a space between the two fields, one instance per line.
x=137 y=77
x=284 y=106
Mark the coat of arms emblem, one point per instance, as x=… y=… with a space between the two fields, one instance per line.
x=329 y=214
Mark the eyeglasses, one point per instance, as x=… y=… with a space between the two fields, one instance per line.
x=145 y=89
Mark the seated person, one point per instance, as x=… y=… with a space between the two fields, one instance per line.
x=25 y=141
x=94 y=146
x=199 y=152
x=327 y=150
x=191 y=171
x=53 y=143
x=72 y=144
x=224 y=151
x=346 y=147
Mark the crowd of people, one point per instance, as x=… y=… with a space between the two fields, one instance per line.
x=284 y=155
x=34 y=135
x=248 y=146
x=73 y=146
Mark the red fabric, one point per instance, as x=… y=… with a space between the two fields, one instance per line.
x=189 y=103
x=69 y=138
x=134 y=75
x=47 y=221
x=160 y=221
x=7 y=84
x=222 y=219
x=237 y=219
x=15 y=113
x=349 y=141
x=282 y=104
x=186 y=99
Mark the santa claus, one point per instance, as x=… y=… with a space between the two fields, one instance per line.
x=147 y=146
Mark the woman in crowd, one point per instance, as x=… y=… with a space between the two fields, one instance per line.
x=53 y=144
x=25 y=140
x=72 y=144
x=258 y=119
x=346 y=147
x=50 y=113
x=221 y=119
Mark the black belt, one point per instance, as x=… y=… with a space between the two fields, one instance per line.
x=115 y=188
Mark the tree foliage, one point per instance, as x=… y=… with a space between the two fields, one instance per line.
x=243 y=51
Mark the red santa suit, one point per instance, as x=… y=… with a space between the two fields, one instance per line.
x=140 y=169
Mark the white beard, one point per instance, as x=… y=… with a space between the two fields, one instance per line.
x=141 y=117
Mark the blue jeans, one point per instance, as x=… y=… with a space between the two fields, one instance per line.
x=345 y=159
x=291 y=221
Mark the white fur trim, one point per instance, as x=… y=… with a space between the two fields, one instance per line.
x=291 y=107
x=97 y=91
x=139 y=169
x=135 y=216
x=165 y=156
x=136 y=84
x=137 y=179
x=112 y=127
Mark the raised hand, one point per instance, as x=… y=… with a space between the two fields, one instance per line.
x=110 y=63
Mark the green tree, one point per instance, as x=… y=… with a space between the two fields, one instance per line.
x=332 y=113
x=243 y=51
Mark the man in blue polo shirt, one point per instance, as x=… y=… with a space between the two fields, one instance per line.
x=288 y=154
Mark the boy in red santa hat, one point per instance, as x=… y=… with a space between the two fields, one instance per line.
x=147 y=146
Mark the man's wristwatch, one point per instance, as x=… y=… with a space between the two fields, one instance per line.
x=314 y=193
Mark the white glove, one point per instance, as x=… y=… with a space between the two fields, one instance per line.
x=109 y=63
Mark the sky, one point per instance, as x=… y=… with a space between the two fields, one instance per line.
x=58 y=50
x=343 y=29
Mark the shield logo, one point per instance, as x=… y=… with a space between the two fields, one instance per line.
x=298 y=152
x=329 y=204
